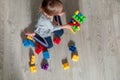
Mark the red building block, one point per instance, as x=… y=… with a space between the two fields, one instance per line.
x=57 y=40
x=38 y=51
x=39 y=48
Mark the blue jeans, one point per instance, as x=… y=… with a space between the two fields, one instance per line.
x=58 y=33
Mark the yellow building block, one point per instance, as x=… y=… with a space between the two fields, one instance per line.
x=78 y=28
x=32 y=58
x=33 y=69
x=66 y=66
x=32 y=62
x=76 y=12
x=29 y=37
x=75 y=57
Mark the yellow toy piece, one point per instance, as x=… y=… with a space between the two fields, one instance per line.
x=75 y=57
x=33 y=69
x=74 y=31
x=32 y=58
x=29 y=37
x=66 y=66
x=32 y=61
x=78 y=28
x=76 y=12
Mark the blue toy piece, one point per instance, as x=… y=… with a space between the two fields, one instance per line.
x=28 y=43
x=46 y=55
x=72 y=48
x=31 y=43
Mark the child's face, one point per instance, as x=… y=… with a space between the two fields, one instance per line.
x=60 y=11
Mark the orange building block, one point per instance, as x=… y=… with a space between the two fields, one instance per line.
x=66 y=66
x=29 y=37
x=75 y=57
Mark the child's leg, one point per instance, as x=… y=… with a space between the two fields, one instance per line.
x=49 y=41
x=58 y=33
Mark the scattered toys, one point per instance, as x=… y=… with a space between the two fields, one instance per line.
x=77 y=19
x=41 y=43
x=73 y=49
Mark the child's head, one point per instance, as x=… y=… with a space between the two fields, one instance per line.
x=52 y=7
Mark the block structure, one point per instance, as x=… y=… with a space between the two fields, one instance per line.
x=77 y=19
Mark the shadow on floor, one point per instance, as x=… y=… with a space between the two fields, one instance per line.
x=70 y=7
x=35 y=4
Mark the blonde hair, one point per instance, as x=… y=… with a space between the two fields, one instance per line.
x=52 y=7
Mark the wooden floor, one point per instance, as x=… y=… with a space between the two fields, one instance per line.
x=98 y=42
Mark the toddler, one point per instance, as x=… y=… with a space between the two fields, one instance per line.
x=46 y=26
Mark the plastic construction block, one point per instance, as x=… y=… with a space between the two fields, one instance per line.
x=38 y=51
x=46 y=55
x=75 y=25
x=28 y=43
x=29 y=38
x=72 y=48
x=32 y=60
x=57 y=40
x=31 y=43
x=75 y=57
x=79 y=17
x=33 y=69
x=45 y=66
x=39 y=48
x=66 y=66
x=38 y=45
x=76 y=28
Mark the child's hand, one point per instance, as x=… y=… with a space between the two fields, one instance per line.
x=67 y=26
x=30 y=34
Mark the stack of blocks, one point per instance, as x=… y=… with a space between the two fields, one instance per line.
x=32 y=64
x=46 y=56
x=74 y=56
x=77 y=19
x=28 y=42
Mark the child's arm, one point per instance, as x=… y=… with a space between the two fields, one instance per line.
x=66 y=26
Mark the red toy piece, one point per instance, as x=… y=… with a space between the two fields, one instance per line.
x=57 y=40
x=39 y=48
x=38 y=51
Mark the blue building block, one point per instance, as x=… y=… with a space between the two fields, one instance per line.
x=72 y=48
x=28 y=43
x=46 y=55
x=31 y=43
